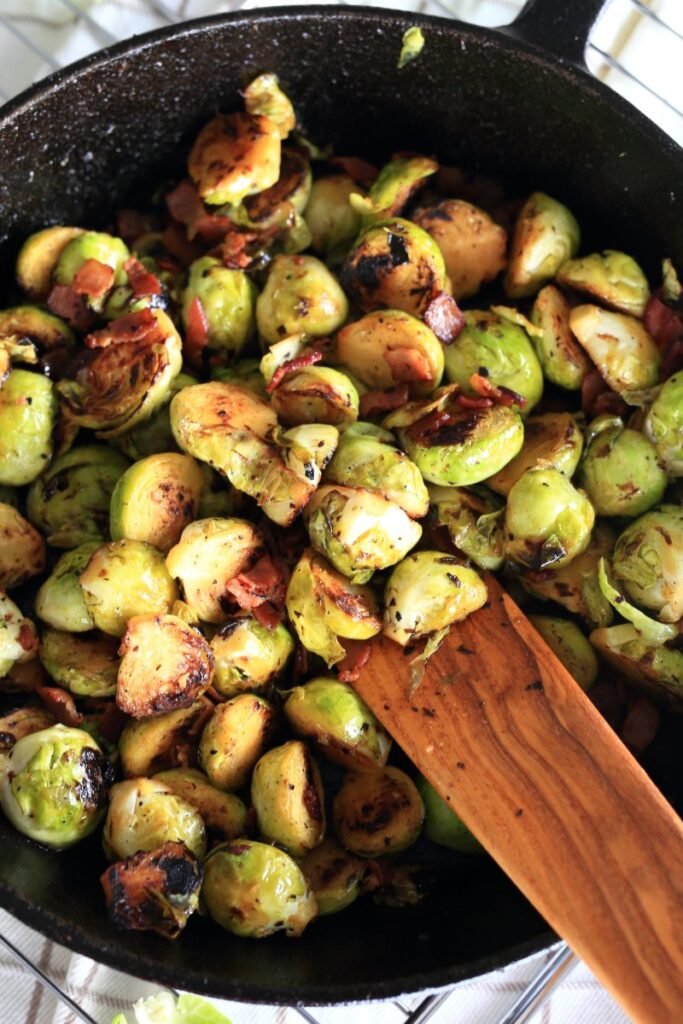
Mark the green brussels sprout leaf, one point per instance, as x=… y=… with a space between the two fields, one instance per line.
x=412 y=45
x=652 y=632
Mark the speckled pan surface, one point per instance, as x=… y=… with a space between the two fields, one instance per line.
x=72 y=149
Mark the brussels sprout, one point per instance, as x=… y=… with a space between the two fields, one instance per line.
x=427 y=592
x=651 y=630
x=234 y=156
x=323 y=605
x=378 y=812
x=23 y=721
x=472 y=244
x=92 y=245
x=396 y=183
x=264 y=96
x=300 y=294
x=563 y=360
x=658 y=670
x=18 y=639
x=546 y=235
x=364 y=461
x=648 y=562
x=209 y=554
x=154 y=434
x=38 y=258
x=343 y=728
x=364 y=429
x=156 y=499
x=56 y=787
x=87 y=666
x=499 y=349
x=22 y=549
x=228 y=300
x=223 y=813
x=335 y=876
x=27 y=416
x=551 y=441
x=359 y=531
x=245 y=372
x=152 y=745
x=70 y=502
x=389 y=347
x=548 y=522
x=31 y=328
x=165 y=664
x=279 y=208
x=620 y=347
x=395 y=264
x=442 y=824
x=248 y=656
x=566 y=640
x=254 y=889
x=664 y=425
x=143 y=814
x=332 y=221
x=612 y=278
x=126 y=578
x=474 y=520
x=234 y=739
x=287 y=795
x=316 y=394
x=620 y=472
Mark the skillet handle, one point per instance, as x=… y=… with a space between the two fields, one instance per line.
x=560 y=29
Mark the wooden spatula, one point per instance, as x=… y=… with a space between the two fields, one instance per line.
x=507 y=737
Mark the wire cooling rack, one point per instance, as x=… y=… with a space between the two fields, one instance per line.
x=45 y=35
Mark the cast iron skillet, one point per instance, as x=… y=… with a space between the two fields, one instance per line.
x=517 y=102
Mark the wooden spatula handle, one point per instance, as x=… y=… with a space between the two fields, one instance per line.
x=503 y=732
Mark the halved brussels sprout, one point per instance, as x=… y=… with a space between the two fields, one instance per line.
x=28 y=409
x=223 y=813
x=473 y=245
x=264 y=96
x=316 y=394
x=31 y=328
x=620 y=472
x=474 y=520
x=442 y=824
x=287 y=795
x=234 y=156
x=499 y=349
x=334 y=875
x=300 y=294
x=38 y=258
x=154 y=434
x=248 y=656
x=612 y=278
x=359 y=531
x=279 y=208
x=548 y=522
x=651 y=630
x=567 y=641
x=20 y=722
x=18 y=638
x=143 y=814
x=209 y=554
x=396 y=183
x=70 y=502
x=365 y=461
x=389 y=347
x=156 y=499
x=126 y=578
x=658 y=670
x=228 y=301
x=22 y=549
x=56 y=786
x=427 y=592
x=378 y=812
x=253 y=890
x=343 y=728
x=664 y=425
x=551 y=441
x=165 y=664
x=87 y=666
x=395 y=264
x=546 y=235
x=234 y=739
x=92 y=245
x=648 y=562
x=332 y=221
x=563 y=360
x=151 y=745
x=620 y=347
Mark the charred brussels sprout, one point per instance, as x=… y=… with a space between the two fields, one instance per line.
x=334 y=875
x=427 y=592
x=265 y=97
x=620 y=347
x=359 y=531
x=156 y=499
x=234 y=156
x=393 y=187
x=38 y=258
x=648 y=562
x=548 y=522
x=664 y=425
x=563 y=360
x=658 y=670
x=144 y=813
x=248 y=656
x=316 y=394
x=546 y=235
x=620 y=472
x=87 y=666
x=92 y=245
x=254 y=890
x=150 y=745
x=27 y=416
x=123 y=579
x=474 y=520
x=287 y=795
x=234 y=739
x=222 y=424
x=60 y=601
x=224 y=814
x=567 y=641
x=22 y=549
x=18 y=638
x=365 y=461
x=394 y=264
x=472 y=244
x=32 y=335
x=300 y=295
x=228 y=301
x=612 y=278
x=332 y=221
x=378 y=812
x=551 y=441
x=56 y=788
x=391 y=347
x=442 y=824
x=331 y=714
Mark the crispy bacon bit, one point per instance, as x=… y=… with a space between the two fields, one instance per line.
x=141 y=280
x=28 y=640
x=469 y=402
x=407 y=364
x=185 y=205
x=308 y=358
x=267 y=615
x=131 y=224
x=232 y=250
x=444 y=317
x=500 y=394
x=196 y=332
x=61 y=704
x=360 y=170
x=141 y=326
x=93 y=279
x=175 y=239
x=374 y=402
x=65 y=302
x=264 y=583
x=357 y=655
x=597 y=398
x=665 y=325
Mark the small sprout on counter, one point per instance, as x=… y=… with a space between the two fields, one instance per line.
x=546 y=235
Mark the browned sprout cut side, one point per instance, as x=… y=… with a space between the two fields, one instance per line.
x=234 y=739
x=234 y=156
x=473 y=245
x=287 y=795
x=378 y=812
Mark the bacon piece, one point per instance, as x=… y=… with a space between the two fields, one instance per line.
x=141 y=280
x=28 y=641
x=373 y=402
x=111 y=721
x=662 y=322
x=357 y=655
x=360 y=170
x=498 y=393
x=267 y=615
x=185 y=205
x=407 y=364
x=444 y=317
x=130 y=224
x=308 y=358
x=469 y=402
x=231 y=251
x=264 y=583
x=175 y=239
x=196 y=332
x=598 y=398
x=93 y=279
x=61 y=704
x=141 y=326
x=64 y=301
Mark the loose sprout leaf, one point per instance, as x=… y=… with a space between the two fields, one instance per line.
x=515 y=317
x=652 y=632
x=419 y=663
x=413 y=44
x=672 y=289
x=166 y=1008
